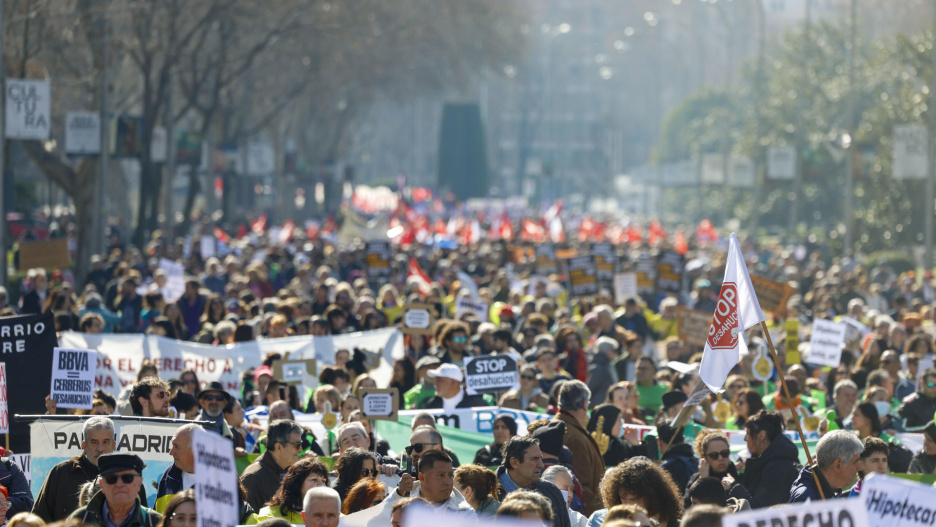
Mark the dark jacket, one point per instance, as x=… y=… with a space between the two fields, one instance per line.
x=600 y=377
x=551 y=492
x=211 y=424
x=170 y=484
x=922 y=463
x=681 y=463
x=898 y=457
x=59 y=494
x=916 y=411
x=804 y=488
x=737 y=490
x=489 y=455
x=14 y=480
x=262 y=479
x=768 y=477
x=93 y=514
x=587 y=460
x=468 y=401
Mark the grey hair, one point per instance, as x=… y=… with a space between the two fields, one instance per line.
x=97 y=422
x=342 y=428
x=550 y=473
x=573 y=395
x=279 y=432
x=420 y=416
x=606 y=344
x=844 y=383
x=837 y=445
x=433 y=433
x=319 y=493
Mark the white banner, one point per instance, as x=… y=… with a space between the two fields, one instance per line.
x=781 y=162
x=847 y=512
x=28 y=109
x=73 y=377
x=911 y=159
x=215 y=480
x=825 y=344
x=119 y=356
x=82 y=133
x=481 y=418
x=894 y=502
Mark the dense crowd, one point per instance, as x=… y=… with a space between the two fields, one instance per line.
x=600 y=369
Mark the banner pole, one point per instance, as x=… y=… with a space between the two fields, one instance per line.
x=793 y=406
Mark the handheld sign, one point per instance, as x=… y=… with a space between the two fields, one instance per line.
x=894 y=502
x=825 y=345
x=293 y=372
x=377 y=256
x=52 y=254
x=463 y=304
x=772 y=295
x=4 y=407
x=73 y=377
x=625 y=286
x=669 y=272
x=605 y=260
x=546 y=263
x=582 y=275
x=378 y=403
x=693 y=325
x=26 y=347
x=646 y=269
x=847 y=512
x=491 y=374
x=215 y=480
x=418 y=319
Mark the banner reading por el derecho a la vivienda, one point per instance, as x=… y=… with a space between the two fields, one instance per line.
x=26 y=344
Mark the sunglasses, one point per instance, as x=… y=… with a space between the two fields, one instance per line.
x=127 y=479
x=528 y=377
x=366 y=472
x=930 y=384
x=459 y=340
x=214 y=397
x=715 y=455
x=418 y=447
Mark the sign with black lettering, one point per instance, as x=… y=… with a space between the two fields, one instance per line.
x=215 y=480
x=669 y=272
x=825 y=344
x=28 y=109
x=26 y=344
x=582 y=276
x=546 y=263
x=491 y=374
x=605 y=260
x=82 y=133
x=73 y=377
x=418 y=319
x=294 y=372
x=848 y=512
x=646 y=269
x=465 y=304
x=377 y=256
x=380 y=403
x=894 y=502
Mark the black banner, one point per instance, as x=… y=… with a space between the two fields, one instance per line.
x=26 y=344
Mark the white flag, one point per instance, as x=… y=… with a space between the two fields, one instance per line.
x=737 y=309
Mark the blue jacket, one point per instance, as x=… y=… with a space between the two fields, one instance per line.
x=804 y=488
x=681 y=463
x=14 y=480
x=170 y=484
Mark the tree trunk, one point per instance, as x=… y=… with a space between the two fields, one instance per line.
x=194 y=187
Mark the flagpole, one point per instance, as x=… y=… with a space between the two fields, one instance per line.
x=793 y=406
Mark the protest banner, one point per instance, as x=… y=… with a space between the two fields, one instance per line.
x=582 y=276
x=418 y=319
x=380 y=403
x=52 y=254
x=377 y=257
x=464 y=304
x=825 y=345
x=848 y=512
x=216 y=485
x=479 y=419
x=175 y=279
x=669 y=272
x=491 y=374
x=605 y=261
x=646 y=274
x=26 y=344
x=4 y=407
x=771 y=295
x=693 y=325
x=24 y=462
x=57 y=438
x=894 y=502
x=625 y=286
x=293 y=372
x=73 y=377
x=28 y=109
x=546 y=262
x=82 y=133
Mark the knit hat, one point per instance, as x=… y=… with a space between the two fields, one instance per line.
x=550 y=437
x=930 y=430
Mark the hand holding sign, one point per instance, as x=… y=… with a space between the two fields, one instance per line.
x=73 y=377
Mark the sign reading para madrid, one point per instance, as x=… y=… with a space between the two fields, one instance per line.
x=28 y=109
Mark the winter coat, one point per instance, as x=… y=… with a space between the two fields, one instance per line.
x=804 y=487
x=262 y=479
x=916 y=411
x=17 y=486
x=922 y=463
x=737 y=490
x=681 y=463
x=550 y=492
x=92 y=515
x=58 y=496
x=587 y=460
x=489 y=455
x=768 y=477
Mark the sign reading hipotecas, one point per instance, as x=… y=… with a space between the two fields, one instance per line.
x=895 y=502
x=491 y=374
x=73 y=377
x=848 y=512
x=215 y=480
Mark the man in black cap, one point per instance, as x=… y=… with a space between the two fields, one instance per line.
x=117 y=505
x=678 y=459
x=212 y=400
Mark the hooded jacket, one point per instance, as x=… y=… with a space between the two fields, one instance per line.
x=768 y=477
x=804 y=488
x=92 y=515
x=17 y=486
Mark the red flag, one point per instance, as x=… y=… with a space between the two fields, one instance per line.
x=532 y=231
x=259 y=225
x=417 y=275
x=680 y=245
x=506 y=230
x=241 y=231
x=312 y=230
x=633 y=235
x=286 y=233
x=220 y=235
x=656 y=233
x=586 y=229
x=330 y=226
x=706 y=232
x=421 y=194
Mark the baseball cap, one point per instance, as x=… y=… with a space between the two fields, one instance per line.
x=449 y=371
x=263 y=370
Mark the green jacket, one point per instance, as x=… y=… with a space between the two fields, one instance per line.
x=417 y=396
x=269 y=513
x=92 y=515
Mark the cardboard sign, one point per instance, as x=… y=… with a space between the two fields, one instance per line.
x=546 y=262
x=294 y=372
x=605 y=261
x=463 y=304
x=4 y=407
x=894 y=502
x=380 y=403
x=73 y=377
x=646 y=274
x=693 y=325
x=772 y=295
x=582 y=276
x=625 y=286
x=669 y=272
x=825 y=345
x=52 y=254
x=491 y=374
x=848 y=512
x=377 y=256
x=418 y=319
x=215 y=480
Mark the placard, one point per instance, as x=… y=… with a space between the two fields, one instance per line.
x=216 y=480
x=825 y=344
x=73 y=377
x=646 y=274
x=771 y=295
x=4 y=407
x=847 y=512
x=377 y=256
x=911 y=159
x=380 y=403
x=669 y=272
x=491 y=374
x=894 y=502
x=418 y=319
x=463 y=304
x=294 y=372
x=52 y=254
x=625 y=286
x=781 y=162
x=26 y=349
x=28 y=109
x=582 y=276
x=175 y=279
x=693 y=325
x=741 y=173
x=546 y=262
x=82 y=133
x=207 y=246
x=605 y=261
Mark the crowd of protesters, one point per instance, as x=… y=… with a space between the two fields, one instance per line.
x=598 y=367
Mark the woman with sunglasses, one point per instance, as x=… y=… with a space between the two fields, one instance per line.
x=714 y=452
x=181 y=511
x=302 y=475
x=352 y=465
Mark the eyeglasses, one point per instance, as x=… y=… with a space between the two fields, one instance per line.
x=111 y=479
x=219 y=398
x=297 y=444
x=459 y=340
x=367 y=472
x=528 y=377
x=418 y=447
x=715 y=455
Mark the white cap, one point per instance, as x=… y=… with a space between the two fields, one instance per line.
x=449 y=371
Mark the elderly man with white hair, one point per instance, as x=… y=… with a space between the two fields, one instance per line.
x=837 y=456
x=321 y=507
x=561 y=477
